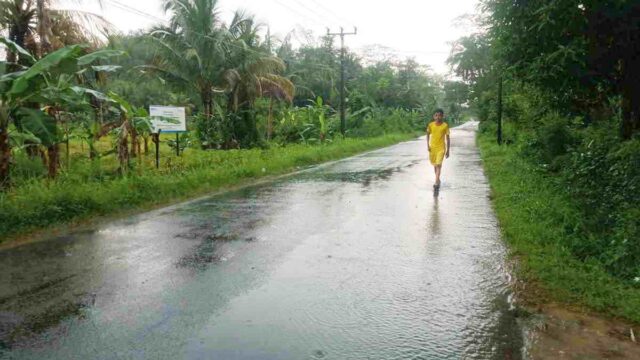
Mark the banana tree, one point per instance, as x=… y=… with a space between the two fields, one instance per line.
x=317 y=111
x=135 y=122
x=95 y=77
x=51 y=83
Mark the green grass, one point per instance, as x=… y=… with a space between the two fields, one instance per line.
x=537 y=221
x=89 y=189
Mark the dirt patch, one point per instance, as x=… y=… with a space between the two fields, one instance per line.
x=559 y=333
x=565 y=331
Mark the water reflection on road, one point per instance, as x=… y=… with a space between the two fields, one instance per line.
x=356 y=259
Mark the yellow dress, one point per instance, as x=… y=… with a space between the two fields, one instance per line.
x=437 y=134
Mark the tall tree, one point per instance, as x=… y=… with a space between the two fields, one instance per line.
x=192 y=50
x=197 y=51
x=581 y=52
x=18 y=18
x=253 y=72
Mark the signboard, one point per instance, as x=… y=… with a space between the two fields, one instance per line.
x=168 y=118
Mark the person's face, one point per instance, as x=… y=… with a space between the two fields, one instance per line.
x=438 y=116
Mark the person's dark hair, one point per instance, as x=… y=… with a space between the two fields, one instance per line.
x=438 y=110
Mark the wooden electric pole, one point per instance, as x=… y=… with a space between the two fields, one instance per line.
x=343 y=120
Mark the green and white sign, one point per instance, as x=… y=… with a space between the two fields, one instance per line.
x=168 y=118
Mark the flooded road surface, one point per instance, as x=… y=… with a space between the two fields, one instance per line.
x=351 y=260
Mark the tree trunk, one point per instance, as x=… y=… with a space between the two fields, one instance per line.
x=630 y=117
x=134 y=142
x=207 y=103
x=123 y=147
x=630 y=100
x=270 y=120
x=11 y=56
x=207 y=109
x=17 y=35
x=146 y=144
x=93 y=153
x=5 y=158
x=52 y=166
x=43 y=26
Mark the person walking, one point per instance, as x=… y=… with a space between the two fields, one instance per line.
x=437 y=132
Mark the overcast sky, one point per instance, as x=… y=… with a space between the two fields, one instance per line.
x=422 y=29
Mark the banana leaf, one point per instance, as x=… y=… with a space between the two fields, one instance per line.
x=15 y=48
x=59 y=61
x=99 y=55
x=37 y=123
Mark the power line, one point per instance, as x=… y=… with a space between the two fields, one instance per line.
x=419 y=52
x=315 y=13
x=151 y=17
x=298 y=13
x=333 y=14
x=135 y=11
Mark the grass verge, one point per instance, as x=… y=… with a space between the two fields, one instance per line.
x=536 y=219
x=81 y=194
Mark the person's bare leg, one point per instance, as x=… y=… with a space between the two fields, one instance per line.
x=438 y=170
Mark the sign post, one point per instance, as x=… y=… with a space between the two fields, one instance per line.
x=168 y=119
x=156 y=140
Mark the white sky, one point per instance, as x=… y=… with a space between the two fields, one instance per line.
x=422 y=29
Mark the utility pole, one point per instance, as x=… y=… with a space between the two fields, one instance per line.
x=343 y=120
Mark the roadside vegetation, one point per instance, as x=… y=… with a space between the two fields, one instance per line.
x=90 y=188
x=543 y=224
x=566 y=176
x=76 y=137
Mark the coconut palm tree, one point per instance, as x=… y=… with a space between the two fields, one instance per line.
x=200 y=53
x=191 y=50
x=17 y=17
x=40 y=26
x=252 y=72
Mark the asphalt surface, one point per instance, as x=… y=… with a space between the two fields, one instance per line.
x=355 y=259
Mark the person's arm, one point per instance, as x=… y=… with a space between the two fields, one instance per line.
x=448 y=145
x=428 y=146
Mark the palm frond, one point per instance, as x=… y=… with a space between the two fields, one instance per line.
x=68 y=26
x=278 y=87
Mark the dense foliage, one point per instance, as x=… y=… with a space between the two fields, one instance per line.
x=571 y=107
x=538 y=220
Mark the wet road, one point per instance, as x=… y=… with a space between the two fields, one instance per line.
x=351 y=260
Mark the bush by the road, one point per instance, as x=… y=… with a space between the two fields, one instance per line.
x=556 y=235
